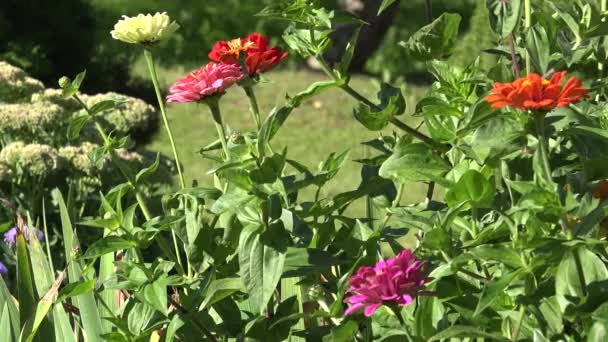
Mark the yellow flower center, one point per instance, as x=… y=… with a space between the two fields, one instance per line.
x=236 y=46
x=546 y=83
x=526 y=83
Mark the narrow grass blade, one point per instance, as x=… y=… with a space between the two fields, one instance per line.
x=6 y=300
x=89 y=313
x=290 y=288
x=25 y=283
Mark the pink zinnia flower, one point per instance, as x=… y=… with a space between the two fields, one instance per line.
x=209 y=80
x=398 y=280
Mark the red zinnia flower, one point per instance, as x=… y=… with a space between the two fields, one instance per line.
x=398 y=280
x=258 y=57
x=209 y=80
x=535 y=93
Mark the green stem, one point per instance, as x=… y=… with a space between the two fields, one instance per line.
x=138 y=196
x=474 y=215
x=516 y=331
x=219 y=125
x=527 y=26
x=395 y=204
x=581 y=273
x=161 y=104
x=255 y=109
x=539 y=120
x=397 y=312
x=357 y=96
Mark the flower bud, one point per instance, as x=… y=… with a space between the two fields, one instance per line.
x=316 y=292
x=236 y=138
x=64 y=82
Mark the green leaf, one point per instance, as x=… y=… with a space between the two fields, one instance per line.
x=568 y=280
x=108 y=244
x=261 y=267
x=25 y=282
x=537 y=44
x=105 y=105
x=76 y=125
x=73 y=88
x=414 y=163
x=598 y=332
x=76 y=289
x=504 y=15
x=220 y=289
x=5 y=324
x=498 y=252
x=349 y=52
x=462 y=331
x=494 y=290
x=7 y=302
x=89 y=315
x=392 y=103
x=384 y=5
x=148 y=171
x=436 y=40
x=303 y=261
x=473 y=188
x=345 y=332
x=155 y=295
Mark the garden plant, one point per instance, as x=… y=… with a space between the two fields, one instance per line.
x=509 y=243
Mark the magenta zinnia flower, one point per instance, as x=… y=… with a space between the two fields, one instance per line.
x=394 y=281
x=209 y=80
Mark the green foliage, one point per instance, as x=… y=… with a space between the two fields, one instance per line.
x=514 y=251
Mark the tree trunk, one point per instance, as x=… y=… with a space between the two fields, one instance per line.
x=371 y=35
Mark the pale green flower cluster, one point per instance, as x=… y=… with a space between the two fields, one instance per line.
x=16 y=85
x=133 y=116
x=35 y=159
x=144 y=29
x=31 y=119
x=78 y=157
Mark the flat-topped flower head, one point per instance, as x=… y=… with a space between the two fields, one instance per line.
x=10 y=237
x=254 y=50
x=536 y=93
x=3 y=270
x=146 y=29
x=394 y=281
x=212 y=79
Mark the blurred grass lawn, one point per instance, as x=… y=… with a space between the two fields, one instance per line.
x=319 y=127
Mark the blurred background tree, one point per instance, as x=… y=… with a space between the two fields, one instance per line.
x=36 y=36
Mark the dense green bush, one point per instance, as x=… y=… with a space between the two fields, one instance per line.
x=36 y=153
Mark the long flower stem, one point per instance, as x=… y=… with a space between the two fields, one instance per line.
x=161 y=104
x=527 y=26
x=163 y=112
x=514 y=60
x=219 y=126
x=580 y=271
x=138 y=196
x=357 y=96
x=539 y=120
x=255 y=109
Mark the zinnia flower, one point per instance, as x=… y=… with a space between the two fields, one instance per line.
x=3 y=270
x=10 y=237
x=258 y=57
x=209 y=80
x=394 y=281
x=144 y=29
x=536 y=93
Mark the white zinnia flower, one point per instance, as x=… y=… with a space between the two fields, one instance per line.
x=144 y=29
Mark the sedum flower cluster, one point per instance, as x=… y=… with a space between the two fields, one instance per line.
x=34 y=148
x=16 y=85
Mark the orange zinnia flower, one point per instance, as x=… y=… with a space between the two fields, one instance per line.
x=536 y=93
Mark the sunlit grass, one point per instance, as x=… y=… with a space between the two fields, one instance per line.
x=319 y=127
